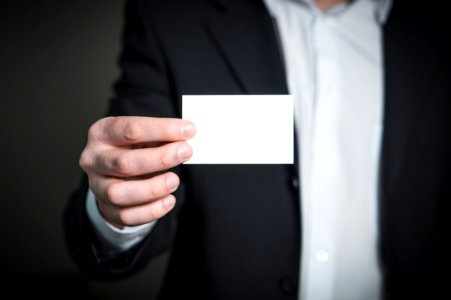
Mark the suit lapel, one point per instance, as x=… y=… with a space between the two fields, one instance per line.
x=244 y=35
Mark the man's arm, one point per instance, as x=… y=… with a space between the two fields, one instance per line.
x=126 y=159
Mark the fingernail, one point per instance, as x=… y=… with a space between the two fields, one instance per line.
x=184 y=152
x=169 y=202
x=188 y=130
x=172 y=182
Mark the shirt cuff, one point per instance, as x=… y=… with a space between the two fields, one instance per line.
x=113 y=238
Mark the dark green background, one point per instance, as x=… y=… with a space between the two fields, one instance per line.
x=57 y=66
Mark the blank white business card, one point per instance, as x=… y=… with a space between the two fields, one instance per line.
x=244 y=129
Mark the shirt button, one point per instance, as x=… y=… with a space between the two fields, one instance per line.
x=295 y=182
x=322 y=256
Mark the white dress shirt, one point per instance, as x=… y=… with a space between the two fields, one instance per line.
x=334 y=68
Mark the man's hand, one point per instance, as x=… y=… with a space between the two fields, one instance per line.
x=127 y=158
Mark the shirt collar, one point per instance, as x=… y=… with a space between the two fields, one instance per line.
x=383 y=10
x=383 y=7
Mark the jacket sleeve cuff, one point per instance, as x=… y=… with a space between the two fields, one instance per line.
x=114 y=240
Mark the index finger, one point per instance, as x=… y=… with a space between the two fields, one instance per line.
x=122 y=131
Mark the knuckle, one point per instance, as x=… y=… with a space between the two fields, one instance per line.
x=114 y=194
x=156 y=189
x=164 y=129
x=94 y=131
x=158 y=210
x=85 y=160
x=131 y=131
x=164 y=160
x=126 y=217
x=151 y=192
x=151 y=215
x=122 y=163
x=92 y=184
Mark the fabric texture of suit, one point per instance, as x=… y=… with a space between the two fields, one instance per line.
x=235 y=232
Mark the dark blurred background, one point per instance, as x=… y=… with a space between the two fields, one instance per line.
x=57 y=66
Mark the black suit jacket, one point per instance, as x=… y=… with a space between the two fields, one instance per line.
x=237 y=228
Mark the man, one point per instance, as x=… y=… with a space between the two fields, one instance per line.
x=363 y=215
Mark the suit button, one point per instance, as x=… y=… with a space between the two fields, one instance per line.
x=288 y=285
x=295 y=182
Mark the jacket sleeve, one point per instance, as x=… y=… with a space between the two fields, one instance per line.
x=144 y=88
